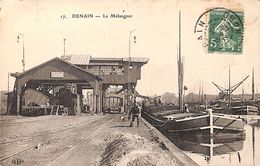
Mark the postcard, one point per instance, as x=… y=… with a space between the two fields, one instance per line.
x=78 y=77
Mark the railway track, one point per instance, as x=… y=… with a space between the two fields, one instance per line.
x=8 y=123
x=49 y=132
x=79 y=132
x=84 y=138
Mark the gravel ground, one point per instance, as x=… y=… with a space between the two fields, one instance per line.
x=126 y=149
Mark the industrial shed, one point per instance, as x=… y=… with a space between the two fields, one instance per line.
x=123 y=72
x=52 y=85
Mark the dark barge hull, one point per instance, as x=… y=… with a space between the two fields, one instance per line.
x=197 y=123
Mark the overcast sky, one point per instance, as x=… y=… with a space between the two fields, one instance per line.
x=156 y=29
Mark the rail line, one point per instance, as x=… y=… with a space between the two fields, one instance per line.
x=38 y=135
x=85 y=138
x=4 y=123
x=37 y=142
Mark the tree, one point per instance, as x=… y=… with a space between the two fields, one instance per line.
x=168 y=97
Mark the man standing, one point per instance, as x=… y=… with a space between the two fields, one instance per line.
x=134 y=112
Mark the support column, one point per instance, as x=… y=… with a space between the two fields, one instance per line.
x=97 y=94
x=18 y=98
x=129 y=97
x=98 y=104
x=18 y=101
x=78 y=104
x=211 y=121
x=125 y=101
x=103 y=97
x=94 y=104
x=79 y=89
x=79 y=99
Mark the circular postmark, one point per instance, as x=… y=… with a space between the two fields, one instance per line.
x=221 y=30
x=17 y=161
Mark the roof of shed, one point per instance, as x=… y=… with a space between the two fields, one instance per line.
x=78 y=59
x=19 y=75
x=86 y=59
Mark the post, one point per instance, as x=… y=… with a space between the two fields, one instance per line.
x=128 y=71
x=180 y=68
x=211 y=121
x=64 y=47
x=199 y=92
x=202 y=93
x=211 y=152
x=23 y=60
x=98 y=103
x=78 y=104
x=18 y=96
x=104 y=100
x=94 y=104
x=23 y=56
x=206 y=102
x=8 y=77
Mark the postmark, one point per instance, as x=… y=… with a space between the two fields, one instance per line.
x=221 y=30
x=17 y=161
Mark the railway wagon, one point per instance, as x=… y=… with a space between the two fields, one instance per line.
x=113 y=104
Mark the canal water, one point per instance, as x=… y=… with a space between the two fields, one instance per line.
x=223 y=149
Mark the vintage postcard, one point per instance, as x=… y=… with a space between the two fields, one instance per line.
x=135 y=82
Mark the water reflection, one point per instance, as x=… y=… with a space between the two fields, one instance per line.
x=253 y=143
x=220 y=143
x=222 y=148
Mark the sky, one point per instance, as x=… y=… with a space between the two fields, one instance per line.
x=156 y=30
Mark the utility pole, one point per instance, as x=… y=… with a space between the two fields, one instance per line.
x=180 y=68
x=18 y=40
x=202 y=94
x=64 y=48
x=8 y=78
x=199 y=92
x=128 y=70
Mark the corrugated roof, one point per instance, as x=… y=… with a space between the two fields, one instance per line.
x=86 y=59
x=78 y=59
x=136 y=59
x=103 y=64
x=105 y=59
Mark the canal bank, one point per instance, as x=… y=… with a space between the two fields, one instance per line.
x=115 y=143
x=180 y=156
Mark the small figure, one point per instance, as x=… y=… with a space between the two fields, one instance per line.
x=159 y=101
x=134 y=111
x=186 y=107
x=143 y=105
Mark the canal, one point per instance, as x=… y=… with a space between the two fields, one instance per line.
x=227 y=149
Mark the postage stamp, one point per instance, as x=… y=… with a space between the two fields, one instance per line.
x=221 y=30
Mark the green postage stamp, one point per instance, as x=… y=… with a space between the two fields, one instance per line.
x=222 y=30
